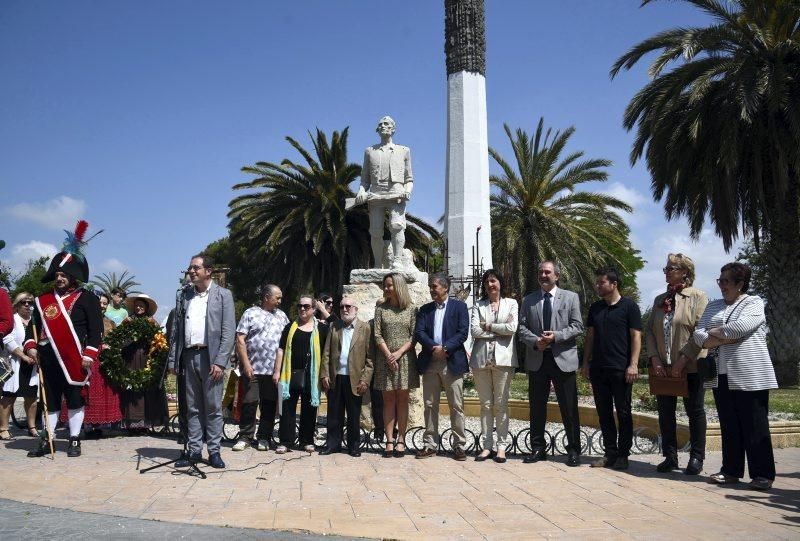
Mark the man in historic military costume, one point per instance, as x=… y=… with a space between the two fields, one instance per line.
x=68 y=328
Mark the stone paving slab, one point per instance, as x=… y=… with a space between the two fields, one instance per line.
x=436 y=498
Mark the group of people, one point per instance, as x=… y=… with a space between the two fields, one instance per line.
x=283 y=362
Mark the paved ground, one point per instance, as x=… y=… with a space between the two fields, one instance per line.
x=436 y=498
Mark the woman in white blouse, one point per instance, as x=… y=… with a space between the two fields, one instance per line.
x=736 y=326
x=494 y=357
x=25 y=381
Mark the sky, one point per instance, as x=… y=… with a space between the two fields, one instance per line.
x=138 y=116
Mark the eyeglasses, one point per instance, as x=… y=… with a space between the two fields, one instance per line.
x=26 y=303
x=194 y=268
x=670 y=268
x=304 y=307
x=725 y=281
x=345 y=306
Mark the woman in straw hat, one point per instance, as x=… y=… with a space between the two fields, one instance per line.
x=141 y=409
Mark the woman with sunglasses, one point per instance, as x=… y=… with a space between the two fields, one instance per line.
x=297 y=367
x=25 y=381
x=670 y=348
x=324 y=309
x=396 y=363
x=736 y=326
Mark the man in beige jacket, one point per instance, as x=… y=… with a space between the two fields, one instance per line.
x=345 y=375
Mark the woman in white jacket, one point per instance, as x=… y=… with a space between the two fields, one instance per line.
x=25 y=381
x=494 y=357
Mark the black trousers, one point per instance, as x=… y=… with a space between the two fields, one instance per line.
x=610 y=392
x=567 y=395
x=308 y=417
x=341 y=400
x=695 y=410
x=259 y=392
x=56 y=385
x=745 y=431
x=376 y=400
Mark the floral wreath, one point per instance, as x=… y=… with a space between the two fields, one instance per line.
x=115 y=369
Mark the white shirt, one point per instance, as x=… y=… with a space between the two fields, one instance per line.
x=347 y=338
x=552 y=300
x=438 y=321
x=195 y=333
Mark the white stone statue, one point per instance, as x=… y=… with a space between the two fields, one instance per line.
x=386 y=184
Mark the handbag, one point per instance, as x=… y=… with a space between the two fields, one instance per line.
x=667 y=385
x=6 y=370
x=707 y=366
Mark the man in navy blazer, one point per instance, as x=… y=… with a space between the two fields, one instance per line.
x=442 y=327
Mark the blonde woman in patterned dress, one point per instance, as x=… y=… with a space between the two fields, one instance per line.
x=396 y=363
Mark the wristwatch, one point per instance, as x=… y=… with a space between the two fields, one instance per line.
x=444 y=348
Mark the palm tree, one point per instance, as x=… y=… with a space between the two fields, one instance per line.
x=295 y=224
x=719 y=127
x=110 y=281
x=537 y=213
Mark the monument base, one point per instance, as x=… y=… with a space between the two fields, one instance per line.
x=366 y=290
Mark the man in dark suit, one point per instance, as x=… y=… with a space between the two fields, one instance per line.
x=345 y=374
x=442 y=327
x=200 y=348
x=549 y=322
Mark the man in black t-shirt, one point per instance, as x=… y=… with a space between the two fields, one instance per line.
x=613 y=342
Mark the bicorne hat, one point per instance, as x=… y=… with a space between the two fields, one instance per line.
x=71 y=260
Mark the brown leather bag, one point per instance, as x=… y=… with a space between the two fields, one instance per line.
x=667 y=385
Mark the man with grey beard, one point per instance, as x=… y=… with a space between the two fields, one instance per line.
x=345 y=374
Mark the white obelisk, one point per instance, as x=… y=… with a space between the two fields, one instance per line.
x=467 y=202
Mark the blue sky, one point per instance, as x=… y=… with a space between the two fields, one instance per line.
x=138 y=115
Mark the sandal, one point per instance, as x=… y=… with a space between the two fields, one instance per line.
x=399 y=453
x=32 y=432
x=388 y=452
x=722 y=478
x=5 y=435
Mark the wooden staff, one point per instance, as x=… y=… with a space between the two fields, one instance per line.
x=44 y=396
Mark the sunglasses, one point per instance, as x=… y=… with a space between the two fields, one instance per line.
x=194 y=268
x=345 y=306
x=670 y=268
x=329 y=301
x=26 y=303
x=304 y=307
x=724 y=281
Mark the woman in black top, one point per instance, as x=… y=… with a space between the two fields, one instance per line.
x=298 y=375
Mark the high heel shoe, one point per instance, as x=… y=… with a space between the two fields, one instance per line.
x=399 y=453
x=388 y=452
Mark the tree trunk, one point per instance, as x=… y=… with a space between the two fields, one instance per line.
x=782 y=255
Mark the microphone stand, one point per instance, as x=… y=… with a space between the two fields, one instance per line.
x=179 y=315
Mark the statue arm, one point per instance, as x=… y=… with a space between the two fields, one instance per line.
x=365 y=181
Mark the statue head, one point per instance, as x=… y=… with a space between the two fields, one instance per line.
x=386 y=126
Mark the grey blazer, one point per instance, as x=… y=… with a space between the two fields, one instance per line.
x=566 y=324
x=220 y=326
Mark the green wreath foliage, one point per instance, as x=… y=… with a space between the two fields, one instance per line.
x=114 y=368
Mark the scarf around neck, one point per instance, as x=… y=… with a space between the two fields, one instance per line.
x=668 y=304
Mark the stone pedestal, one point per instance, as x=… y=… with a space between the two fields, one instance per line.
x=366 y=290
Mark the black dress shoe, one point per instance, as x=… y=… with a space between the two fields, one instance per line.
x=74 y=446
x=481 y=458
x=215 y=461
x=670 y=463
x=41 y=450
x=573 y=459
x=355 y=454
x=694 y=467
x=327 y=451
x=537 y=456
x=621 y=463
x=186 y=461
x=499 y=459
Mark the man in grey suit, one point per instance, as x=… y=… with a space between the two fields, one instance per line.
x=549 y=321
x=200 y=347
